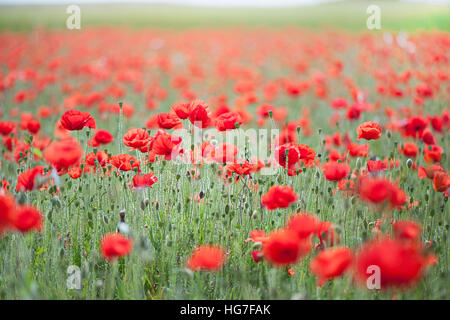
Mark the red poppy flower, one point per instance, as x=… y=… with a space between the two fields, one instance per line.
x=369 y=130
x=144 y=181
x=182 y=110
x=102 y=137
x=409 y=149
x=101 y=157
x=415 y=126
x=168 y=121
x=44 y=112
x=284 y=248
x=257 y=255
x=127 y=109
x=428 y=137
x=287 y=155
x=5 y=185
x=378 y=190
x=27 y=218
x=228 y=121
x=26 y=181
x=115 y=245
x=165 y=144
x=307 y=155
x=401 y=263
x=376 y=166
x=339 y=103
x=199 y=114
x=353 y=113
x=9 y=142
x=331 y=263
x=63 y=154
x=7 y=212
x=206 y=257
x=437 y=123
x=125 y=162
x=152 y=122
x=279 y=197
x=424 y=90
x=408 y=230
x=74 y=172
x=25 y=118
x=241 y=169
x=7 y=127
x=429 y=171
x=33 y=126
x=358 y=150
x=136 y=138
x=303 y=224
x=257 y=236
x=326 y=234
x=347 y=187
x=77 y=120
x=433 y=153
x=335 y=171
x=441 y=181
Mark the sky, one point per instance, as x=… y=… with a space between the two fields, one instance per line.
x=219 y=3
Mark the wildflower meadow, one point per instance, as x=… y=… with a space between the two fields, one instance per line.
x=223 y=162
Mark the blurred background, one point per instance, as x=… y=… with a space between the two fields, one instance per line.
x=17 y=15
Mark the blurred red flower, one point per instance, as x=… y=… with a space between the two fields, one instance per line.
x=206 y=257
x=27 y=218
x=165 y=144
x=63 y=154
x=401 y=263
x=284 y=248
x=279 y=197
x=408 y=230
x=331 y=263
x=303 y=224
x=335 y=171
x=199 y=114
x=26 y=181
x=115 y=245
x=369 y=130
x=228 y=121
x=7 y=211
x=287 y=155
x=144 y=181
x=77 y=120
x=102 y=137
x=125 y=162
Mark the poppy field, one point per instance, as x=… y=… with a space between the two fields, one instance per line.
x=224 y=163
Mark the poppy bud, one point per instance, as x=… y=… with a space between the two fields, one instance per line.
x=144 y=204
x=358 y=163
x=56 y=203
x=409 y=163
